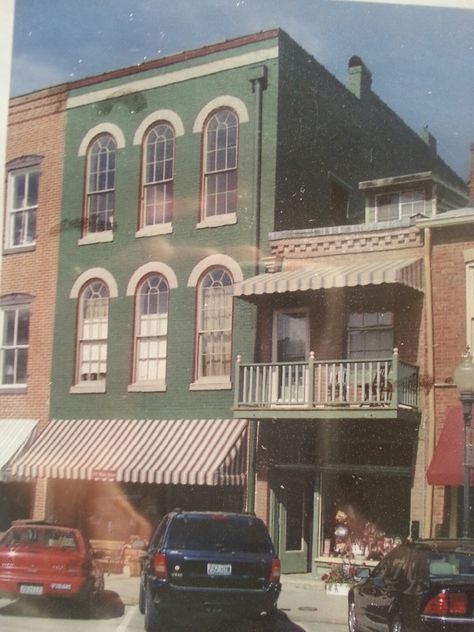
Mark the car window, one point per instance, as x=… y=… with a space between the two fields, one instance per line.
x=223 y=534
x=157 y=537
x=50 y=538
x=451 y=564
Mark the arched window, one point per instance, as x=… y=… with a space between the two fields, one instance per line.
x=220 y=164
x=151 y=330
x=93 y=318
x=214 y=324
x=158 y=168
x=100 y=186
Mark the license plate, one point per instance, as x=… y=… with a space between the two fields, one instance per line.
x=219 y=569
x=30 y=589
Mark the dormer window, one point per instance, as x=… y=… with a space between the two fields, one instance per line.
x=400 y=204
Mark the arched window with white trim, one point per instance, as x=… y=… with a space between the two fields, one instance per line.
x=151 y=331
x=214 y=325
x=100 y=186
x=158 y=174
x=220 y=164
x=92 y=333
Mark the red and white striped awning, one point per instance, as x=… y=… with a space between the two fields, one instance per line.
x=168 y=451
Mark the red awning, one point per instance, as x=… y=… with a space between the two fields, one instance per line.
x=447 y=464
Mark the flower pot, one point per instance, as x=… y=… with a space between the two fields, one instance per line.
x=338 y=589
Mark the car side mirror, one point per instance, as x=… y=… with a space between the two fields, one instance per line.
x=362 y=572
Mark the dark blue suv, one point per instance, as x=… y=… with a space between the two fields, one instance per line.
x=202 y=567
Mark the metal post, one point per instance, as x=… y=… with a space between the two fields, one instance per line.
x=467 y=400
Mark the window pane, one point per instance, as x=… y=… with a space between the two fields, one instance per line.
x=33 y=188
x=23 y=327
x=9 y=327
x=8 y=366
x=19 y=190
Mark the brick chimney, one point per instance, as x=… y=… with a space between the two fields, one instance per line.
x=471 y=177
x=359 y=78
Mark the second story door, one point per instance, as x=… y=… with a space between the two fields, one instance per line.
x=290 y=350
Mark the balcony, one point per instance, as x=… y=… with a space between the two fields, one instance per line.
x=379 y=388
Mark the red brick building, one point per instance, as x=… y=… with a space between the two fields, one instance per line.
x=34 y=171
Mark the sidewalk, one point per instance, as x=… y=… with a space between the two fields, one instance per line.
x=299 y=593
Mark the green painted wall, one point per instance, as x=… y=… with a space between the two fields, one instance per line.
x=181 y=250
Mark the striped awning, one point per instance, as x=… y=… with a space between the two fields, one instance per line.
x=408 y=272
x=168 y=451
x=16 y=435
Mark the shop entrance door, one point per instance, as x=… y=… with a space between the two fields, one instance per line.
x=294 y=512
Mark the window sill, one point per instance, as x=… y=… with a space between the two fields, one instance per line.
x=211 y=384
x=156 y=229
x=155 y=387
x=88 y=387
x=13 y=389
x=13 y=250
x=96 y=238
x=218 y=220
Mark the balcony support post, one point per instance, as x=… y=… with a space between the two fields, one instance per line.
x=237 y=381
x=310 y=389
x=395 y=378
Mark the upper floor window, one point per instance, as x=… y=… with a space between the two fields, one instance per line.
x=22 y=207
x=220 y=164
x=214 y=325
x=158 y=168
x=151 y=331
x=393 y=206
x=370 y=335
x=93 y=318
x=100 y=187
x=14 y=324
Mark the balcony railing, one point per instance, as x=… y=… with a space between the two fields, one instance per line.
x=318 y=384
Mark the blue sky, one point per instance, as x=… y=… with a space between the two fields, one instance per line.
x=421 y=57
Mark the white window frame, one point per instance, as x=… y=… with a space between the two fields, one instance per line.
x=366 y=330
x=96 y=191
x=218 y=380
x=13 y=346
x=405 y=203
x=99 y=342
x=157 y=321
x=214 y=215
x=161 y=180
x=26 y=212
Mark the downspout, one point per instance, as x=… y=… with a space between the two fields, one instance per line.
x=431 y=421
x=259 y=83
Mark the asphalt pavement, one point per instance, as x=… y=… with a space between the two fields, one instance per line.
x=300 y=594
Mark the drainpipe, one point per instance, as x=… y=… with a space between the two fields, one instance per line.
x=431 y=419
x=259 y=83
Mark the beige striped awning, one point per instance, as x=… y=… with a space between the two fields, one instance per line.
x=168 y=451
x=407 y=272
x=16 y=435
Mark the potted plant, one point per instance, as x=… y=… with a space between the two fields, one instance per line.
x=339 y=579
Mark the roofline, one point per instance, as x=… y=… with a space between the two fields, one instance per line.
x=162 y=62
x=409 y=178
x=465 y=216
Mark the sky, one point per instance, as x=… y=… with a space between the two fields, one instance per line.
x=421 y=57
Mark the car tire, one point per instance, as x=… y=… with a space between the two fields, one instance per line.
x=152 y=618
x=269 y=620
x=397 y=625
x=352 y=623
x=141 y=599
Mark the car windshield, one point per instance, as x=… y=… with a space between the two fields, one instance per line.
x=222 y=534
x=451 y=564
x=35 y=536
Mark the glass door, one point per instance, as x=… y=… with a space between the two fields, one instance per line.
x=290 y=347
x=294 y=510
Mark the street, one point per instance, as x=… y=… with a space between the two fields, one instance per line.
x=297 y=614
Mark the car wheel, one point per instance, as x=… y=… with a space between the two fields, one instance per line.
x=397 y=625
x=269 y=620
x=141 y=599
x=152 y=619
x=352 y=618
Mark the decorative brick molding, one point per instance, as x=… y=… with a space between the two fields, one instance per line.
x=351 y=242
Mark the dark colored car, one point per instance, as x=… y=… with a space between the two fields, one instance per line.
x=424 y=586
x=48 y=560
x=206 y=567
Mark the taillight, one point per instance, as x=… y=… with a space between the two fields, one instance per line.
x=446 y=603
x=159 y=565
x=275 y=572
